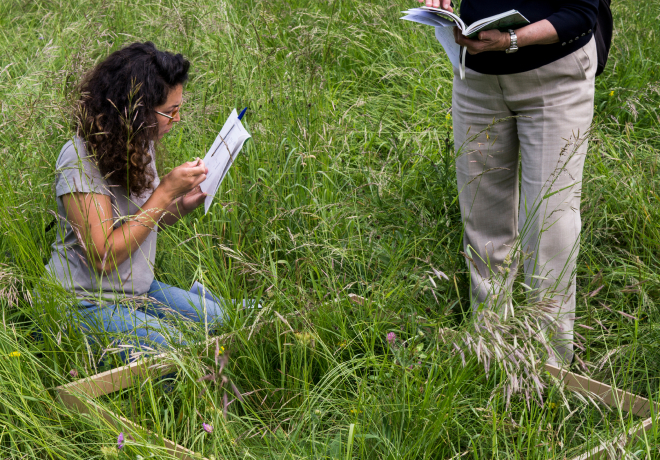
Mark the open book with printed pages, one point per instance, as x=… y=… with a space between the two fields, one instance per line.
x=503 y=21
x=222 y=154
x=443 y=21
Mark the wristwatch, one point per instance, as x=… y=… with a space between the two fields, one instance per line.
x=514 y=43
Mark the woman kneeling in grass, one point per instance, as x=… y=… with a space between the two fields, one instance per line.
x=114 y=202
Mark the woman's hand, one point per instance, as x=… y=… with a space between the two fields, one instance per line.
x=488 y=40
x=183 y=179
x=444 y=4
x=192 y=199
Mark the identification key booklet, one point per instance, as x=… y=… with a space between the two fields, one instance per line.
x=442 y=20
x=221 y=156
x=503 y=21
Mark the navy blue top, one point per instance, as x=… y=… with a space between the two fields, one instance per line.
x=573 y=20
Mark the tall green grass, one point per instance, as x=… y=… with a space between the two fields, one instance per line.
x=335 y=217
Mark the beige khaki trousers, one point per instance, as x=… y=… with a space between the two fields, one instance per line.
x=521 y=144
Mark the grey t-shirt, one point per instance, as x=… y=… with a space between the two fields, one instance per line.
x=76 y=172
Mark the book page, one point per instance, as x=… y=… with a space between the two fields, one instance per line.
x=444 y=13
x=425 y=17
x=444 y=30
x=445 y=35
x=221 y=156
x=506 y=20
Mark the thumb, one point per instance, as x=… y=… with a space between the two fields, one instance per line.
x=488 y=35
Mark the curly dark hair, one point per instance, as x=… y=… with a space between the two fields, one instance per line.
x=116 y=114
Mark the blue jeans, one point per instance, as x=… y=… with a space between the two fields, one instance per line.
x=144 y=326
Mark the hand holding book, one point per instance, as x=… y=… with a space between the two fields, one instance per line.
x=448 y=36
x=442 y=4
x=486 y=40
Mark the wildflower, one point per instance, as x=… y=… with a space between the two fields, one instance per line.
x=611 y=93
x=208 y=428
x=73 y=373
x=120 y=441
x=15 y=354
x=391 y=337
x=221 y=351
x=448 y=117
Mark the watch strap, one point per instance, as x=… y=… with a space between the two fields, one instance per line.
x=513 y=47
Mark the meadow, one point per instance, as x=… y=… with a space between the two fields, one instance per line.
x=340 y=217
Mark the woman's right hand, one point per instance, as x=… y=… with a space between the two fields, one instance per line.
x=184 y=178
x=444 y=4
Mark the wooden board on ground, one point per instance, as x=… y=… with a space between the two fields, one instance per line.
x=127 y=426
x=124 y=377
x=79 y=395
x=628 y=402
x=116 y=379
x=602 y=452
x=613 y=397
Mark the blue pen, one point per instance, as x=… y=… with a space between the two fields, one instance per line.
x=240 y=115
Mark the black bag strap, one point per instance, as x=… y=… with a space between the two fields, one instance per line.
x=50 y=225
x=603 y=33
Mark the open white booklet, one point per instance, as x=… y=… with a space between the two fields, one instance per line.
x=221 y=156
x=443 y=21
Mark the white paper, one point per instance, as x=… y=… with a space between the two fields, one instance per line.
x=445 y=35
x=444 y=30
x=427 y=18
x=445 y=14
x=221 y=156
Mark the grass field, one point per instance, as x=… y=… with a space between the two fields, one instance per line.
x=336 y=217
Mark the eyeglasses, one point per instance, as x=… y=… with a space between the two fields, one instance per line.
x=175 y=112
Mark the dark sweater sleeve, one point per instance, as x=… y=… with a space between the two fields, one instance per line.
x=574 y=19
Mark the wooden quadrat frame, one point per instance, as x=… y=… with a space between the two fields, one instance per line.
x=80 y=395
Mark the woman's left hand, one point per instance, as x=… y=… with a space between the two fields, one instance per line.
x=192 y=199
x=489 y=40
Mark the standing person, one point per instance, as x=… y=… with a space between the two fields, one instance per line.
x=522 y=114
x=112 y=203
